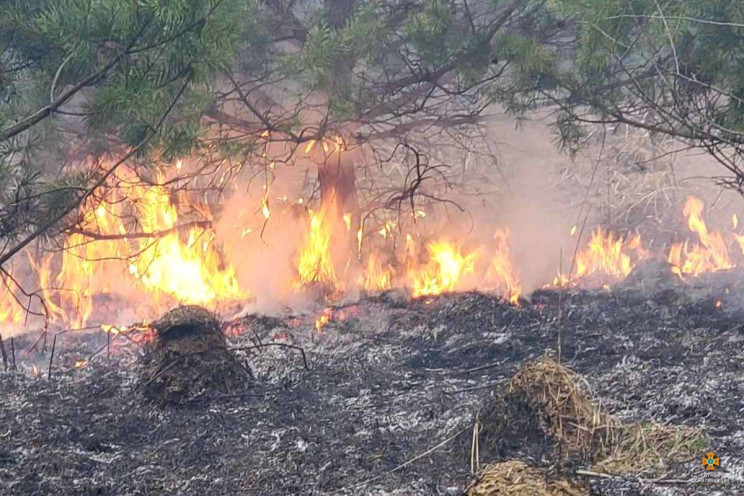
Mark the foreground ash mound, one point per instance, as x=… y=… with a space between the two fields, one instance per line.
x=190 y=360
x=437 y=396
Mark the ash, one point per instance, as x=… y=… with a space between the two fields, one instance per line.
x=388 y=380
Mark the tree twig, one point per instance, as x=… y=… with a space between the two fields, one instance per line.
x=51 y=357
x=2 y=350
x=65 y=211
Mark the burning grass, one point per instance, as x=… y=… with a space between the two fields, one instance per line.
x=133 y=243
x=709 y=255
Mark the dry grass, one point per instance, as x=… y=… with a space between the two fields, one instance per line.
x=632 y=189
x=516 y=478
x=651 y=447
x=564 y=409
x=581 y=427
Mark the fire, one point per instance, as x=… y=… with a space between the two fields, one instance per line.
x=323 y=319
x=377 y=277
x=446 y=265
x=387 y=229
x=190 y=271
x=606 y=255
x=315 y=262
x=710 y=255
x=329 y=145
x=501 y=270
x=135 y=241
x=140 y=333
x=110 y=329
x=101 y=258
x=10 y=311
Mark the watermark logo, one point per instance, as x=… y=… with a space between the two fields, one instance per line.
x=710 y=461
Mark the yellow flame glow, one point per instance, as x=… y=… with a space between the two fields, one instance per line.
x=606 y=255
x=446 y=265
x=710 y=255
x=501 y=271
x=377 y=276
x=315 y=262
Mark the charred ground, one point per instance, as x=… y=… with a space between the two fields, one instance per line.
x=389 y=379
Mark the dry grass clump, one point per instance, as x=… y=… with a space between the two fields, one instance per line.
x=639 y=186
x=651 y=447
x=190 y=358
x=516 y=478
x=564 y=408
x=565 y=411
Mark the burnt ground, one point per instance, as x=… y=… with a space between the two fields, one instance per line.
x=388 y=380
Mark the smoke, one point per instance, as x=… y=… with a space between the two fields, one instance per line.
x=264 y=250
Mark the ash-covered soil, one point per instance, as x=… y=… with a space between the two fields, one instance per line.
x=389 y=380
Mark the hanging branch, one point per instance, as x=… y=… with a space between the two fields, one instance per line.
x=74 y=205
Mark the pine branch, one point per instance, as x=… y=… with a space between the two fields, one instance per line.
x=61 y=215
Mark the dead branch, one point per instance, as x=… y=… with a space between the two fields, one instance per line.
x=203 y=224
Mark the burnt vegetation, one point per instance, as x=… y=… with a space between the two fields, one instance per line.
x=391 y=398
x=265 y=247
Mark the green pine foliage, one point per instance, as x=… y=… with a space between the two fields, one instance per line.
x=134 y=62
x=353 y=64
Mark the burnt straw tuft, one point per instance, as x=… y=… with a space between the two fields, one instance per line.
x=190 y=359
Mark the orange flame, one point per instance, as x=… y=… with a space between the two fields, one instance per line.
x=501 y=270
x=710 y=255
x=315 y=263
x=10 y=311
x=446 y=265
x=100 y=258
x=376 y=276
x=606 y=255
x=323 y=319
x=173 y=262
x=191 y=272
